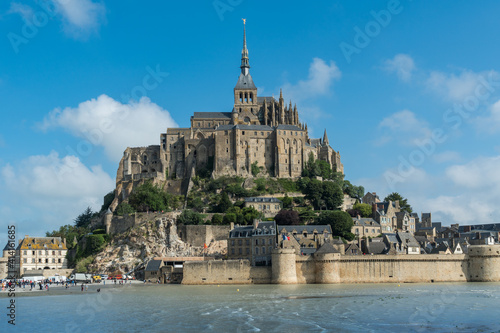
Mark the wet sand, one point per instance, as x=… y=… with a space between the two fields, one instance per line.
x=62 y=290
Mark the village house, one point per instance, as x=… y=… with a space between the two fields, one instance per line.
x=385 y=214
x=305 y=239
x=254 y=242
x=39 y=253
x=365 y=227
x=405 y=221
x=265 y=205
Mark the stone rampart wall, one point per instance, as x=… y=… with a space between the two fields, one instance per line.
x=198 y=235
x=481 y=264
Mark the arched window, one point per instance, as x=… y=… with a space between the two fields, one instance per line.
x=145 y=159
x=246 y=97
x=241 y=98
x=251 y=97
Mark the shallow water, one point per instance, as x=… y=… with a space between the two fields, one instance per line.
x=446 y=307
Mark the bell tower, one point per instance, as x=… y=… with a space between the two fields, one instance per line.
x=245 y=91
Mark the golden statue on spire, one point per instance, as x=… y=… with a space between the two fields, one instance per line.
x=244 y=21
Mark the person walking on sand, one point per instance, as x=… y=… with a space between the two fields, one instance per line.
x=82 y=286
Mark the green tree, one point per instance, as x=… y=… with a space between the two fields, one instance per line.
x=307 y=215
x=403 y=202
x=148 y=197
x=190 y=217
x=287 y=201
x=83 y=220
x=365 y=210
x=217 y=219
x=332 y=195
x=340 y=221
x=353 y=191
x=313 y=192
x=224 y=203
x=255 y=169
x=124 y=208
x=228 y=218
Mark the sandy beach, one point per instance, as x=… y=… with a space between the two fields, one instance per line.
x=76 y=289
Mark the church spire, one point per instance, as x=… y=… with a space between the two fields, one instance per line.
x=245 y=66
x=325 y=139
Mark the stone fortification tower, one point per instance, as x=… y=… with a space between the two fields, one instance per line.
x=484 y=263
x=284 y=268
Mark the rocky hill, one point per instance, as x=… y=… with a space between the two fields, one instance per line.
x=151 y=238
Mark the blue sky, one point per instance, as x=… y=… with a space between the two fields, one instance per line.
x=408 y=91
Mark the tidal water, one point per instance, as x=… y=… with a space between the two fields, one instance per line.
x=440 y=307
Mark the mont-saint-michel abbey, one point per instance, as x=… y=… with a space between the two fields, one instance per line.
x=255 y=129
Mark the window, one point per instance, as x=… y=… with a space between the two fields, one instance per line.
x=25 y=260
x=240 y=242
x=270 y=249
x=199 y=124
x=240 y=251
x=59 y=253
x=263 y=241
x=232 y=251
x=248 y=250
x=53 y=260
x=46 y=261
x=255 y=133
x=227 y=141
x=256 y=250
x=262 y=133
x=24 y=252
x=232 y=242
x=33 y=260
x=263 y=250
x=33 y=252
x=46 y=252
x=53 y=253
x=242 y=132
x=227 y=150
x=260 y=206
x=40 y=252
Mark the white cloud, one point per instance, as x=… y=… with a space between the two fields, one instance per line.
x=446 y=156
x=319 y=82
x=108 y=123
x=457 y=88
x=491 y=123
x=46 y=191
x=402 y=64
x=80 y=17
x=25 y=11
x=471 y=191
x=403 y=127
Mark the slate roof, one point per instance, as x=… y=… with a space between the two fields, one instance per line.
x=376 y=247
x=42 y=243
x=153 y=266
x=263 y=228
x=261 y=199
x=489 y=227
x=426 y=215
x=366 y=222
x=327 y=248
x=290 y=127
x=245 y=82
x=245 y=127
x=269 y=99
x=210 y=115
x=391 y=238
x=406 y=236
x=307 y=228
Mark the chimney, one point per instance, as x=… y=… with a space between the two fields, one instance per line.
x=64 y=241
x=231 y=226
x=255 y=223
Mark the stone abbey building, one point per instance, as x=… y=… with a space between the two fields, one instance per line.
x=258 y=130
